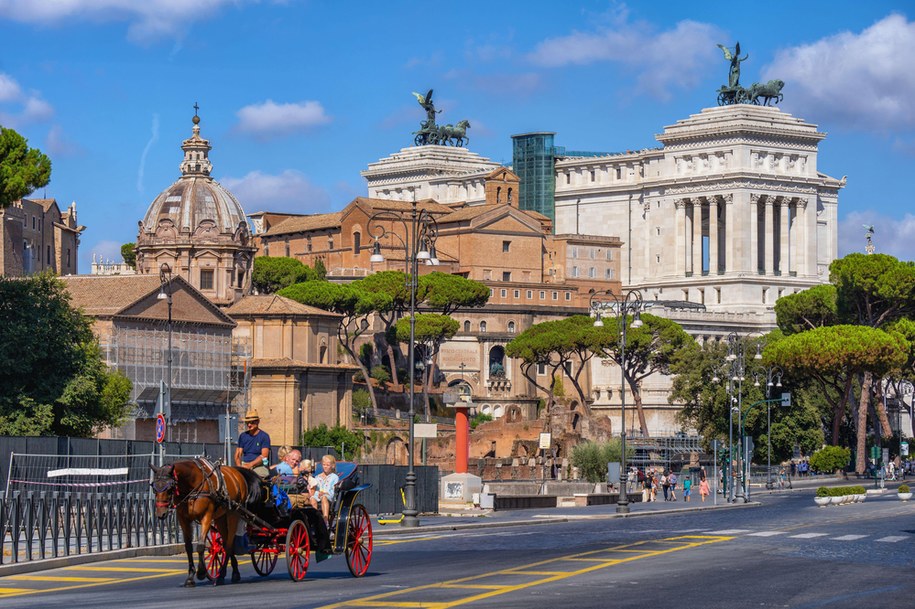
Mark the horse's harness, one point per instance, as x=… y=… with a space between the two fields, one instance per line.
x=212 y=485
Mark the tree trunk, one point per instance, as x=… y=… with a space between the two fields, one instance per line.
x=426 y=383
x=637 y=398
x=839 y=411
x=881 y=412
x=393 y=363
x=581 y=394
x=343 y=338
x=861 y=458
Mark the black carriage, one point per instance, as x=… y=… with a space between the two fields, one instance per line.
x=299 y=531
x=732 y=95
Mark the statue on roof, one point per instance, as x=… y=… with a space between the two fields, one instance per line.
x=757 y=94
x=432 y=133
x=734 y=58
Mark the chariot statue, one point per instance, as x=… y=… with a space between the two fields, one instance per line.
x=757 y=94
x=432 y=133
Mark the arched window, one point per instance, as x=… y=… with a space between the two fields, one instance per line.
x=482 y=326
x=509 y=196
x=357 y=242
x=467 y=326
x=498 y=194
x=511 y=327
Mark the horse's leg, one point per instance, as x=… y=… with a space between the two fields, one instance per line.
x=205 y=522
x=185 y=522
x=230 y=523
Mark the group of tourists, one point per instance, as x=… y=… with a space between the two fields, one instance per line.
x=253 y=453
x=652 y=481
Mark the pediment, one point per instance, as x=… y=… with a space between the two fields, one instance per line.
x=188 y=306
x=507 y=219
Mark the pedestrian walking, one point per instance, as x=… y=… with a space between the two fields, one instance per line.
x=654 y=486
x=646 y=487
x=703 y=489
x=665 y=486
x=687 y=487
x=672 y=479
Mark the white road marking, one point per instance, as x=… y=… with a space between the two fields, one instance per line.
x=893 y=538
x=767 y=534
x=848 y=537
x=729 y=532
x=809 y=535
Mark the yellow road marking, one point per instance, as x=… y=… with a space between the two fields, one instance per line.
x=182 y=560
x=391 y=542
x=8 y=592
x=59 y=578
x=120 y=569
x=473 y=586
x=683 y=542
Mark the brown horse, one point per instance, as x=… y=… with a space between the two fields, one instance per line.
x=201 y=492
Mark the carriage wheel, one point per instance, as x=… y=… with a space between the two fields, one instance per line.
x=419 y=140
x=358 y=541
x=264 y=560
x=298 y=548
x=722 y=100
x=214 y=554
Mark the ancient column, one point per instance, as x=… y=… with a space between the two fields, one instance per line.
x=754 y=233
x=769 y=236
x=784 y=260
x=713 y=235
x=680 y=228
x=697 y=237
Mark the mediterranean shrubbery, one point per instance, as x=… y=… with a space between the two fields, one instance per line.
x=840 y=491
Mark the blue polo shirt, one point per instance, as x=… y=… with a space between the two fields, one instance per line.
x=251 y=446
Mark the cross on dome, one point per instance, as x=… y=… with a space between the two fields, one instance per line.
x=196 y=151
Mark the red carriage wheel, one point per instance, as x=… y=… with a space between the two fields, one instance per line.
x=264 y=560
x=214 y=554
x=358 y=541
x=298 y=547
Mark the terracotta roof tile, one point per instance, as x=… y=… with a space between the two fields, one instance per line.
x=299 y=224
x=285 y=362
x=274 y=304
x=467 y=213
x=427 y=204
x=105 y=295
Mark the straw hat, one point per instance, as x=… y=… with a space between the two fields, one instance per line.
x=252 y=415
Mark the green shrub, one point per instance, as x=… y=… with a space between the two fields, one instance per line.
x=380 y=374
x=343 y=440
x=830 y=458
x=479 y=418
x=903 y=488
x=362 y=403
x=823 y=492
x=592 y=458
x=840 y=491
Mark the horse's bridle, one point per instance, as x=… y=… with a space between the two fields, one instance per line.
x=163 y=484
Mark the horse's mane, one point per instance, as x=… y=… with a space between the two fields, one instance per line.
x=255 y=496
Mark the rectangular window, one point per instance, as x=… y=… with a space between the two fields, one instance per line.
x=308 y=244
x=68 y=257
x=492 y=292
x=568 y=295
x=517 y=293
x=49 y=255
x=206 y=279
x=568 y=367
x=555 y=295
x=568 y=178
x=542 y=294
x=574 y=271
x=609 y=254
x=530 y=294
x=592 y=175
x=503 y=293
x=505 y=246
x=266 y=248
x=609 y=274
x=574 y=252
x=34 y=220
x=541 y=369
x=592 y=272
x=506 y=275
x=619 y=173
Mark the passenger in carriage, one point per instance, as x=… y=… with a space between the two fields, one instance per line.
x=325 y=486
x=291 y=469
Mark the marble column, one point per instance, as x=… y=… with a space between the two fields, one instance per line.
x=769 y=236
x=784 y=261
x=680 y=228
x=802 y=259
x=713 y=235
x=730 y=245
x=754 y=233
x=697 y=237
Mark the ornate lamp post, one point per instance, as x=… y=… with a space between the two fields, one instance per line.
x=736 y=370
x=631 y=303
x=773 y=377
x=165 y=293
x=420 y=231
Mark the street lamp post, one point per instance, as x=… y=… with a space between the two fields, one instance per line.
x=420 y=230
x=736 y=371
x=165 y=293
x=773 y=376
x=624 y=305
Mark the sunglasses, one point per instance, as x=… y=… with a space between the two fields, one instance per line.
x=251 y=422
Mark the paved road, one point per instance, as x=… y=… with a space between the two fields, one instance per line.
x=785 y=552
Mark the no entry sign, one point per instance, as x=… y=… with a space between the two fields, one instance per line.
x=160 y=428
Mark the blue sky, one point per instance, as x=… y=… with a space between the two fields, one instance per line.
x=297 y=97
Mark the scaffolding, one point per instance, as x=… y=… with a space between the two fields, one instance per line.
x=209 y=368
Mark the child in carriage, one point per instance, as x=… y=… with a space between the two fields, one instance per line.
x=324 y=487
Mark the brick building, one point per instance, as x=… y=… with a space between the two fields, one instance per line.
x=36 y=236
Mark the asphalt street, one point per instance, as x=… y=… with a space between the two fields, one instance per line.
x=784 y=552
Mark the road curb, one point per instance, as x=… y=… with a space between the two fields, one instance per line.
x=81 y=559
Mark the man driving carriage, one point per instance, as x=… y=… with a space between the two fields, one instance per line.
x=253 y=450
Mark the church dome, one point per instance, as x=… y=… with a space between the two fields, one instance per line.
x=198 y=230
x=195 y=200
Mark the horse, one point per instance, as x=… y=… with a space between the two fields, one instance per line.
x=200 y=492
x=456 y=134
x=768 y=91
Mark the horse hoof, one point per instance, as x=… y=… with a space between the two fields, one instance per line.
x=219 y=581
x=189 y=584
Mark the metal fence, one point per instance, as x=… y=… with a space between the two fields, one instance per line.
x=35 y=526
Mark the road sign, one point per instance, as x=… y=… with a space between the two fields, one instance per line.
x=786 y=399
x=160 y=428
x=546 y=438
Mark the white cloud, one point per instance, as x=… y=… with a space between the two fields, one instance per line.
x=153 y=138
x=269 y=118
x=665 y=60
x=893 y=236
x=147 y=20
x=18 y=108
x=862 y=80
x=289 y=191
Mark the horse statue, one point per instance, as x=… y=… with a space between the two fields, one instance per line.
x=201 y=492
x=769 y=91
x=455 y=134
